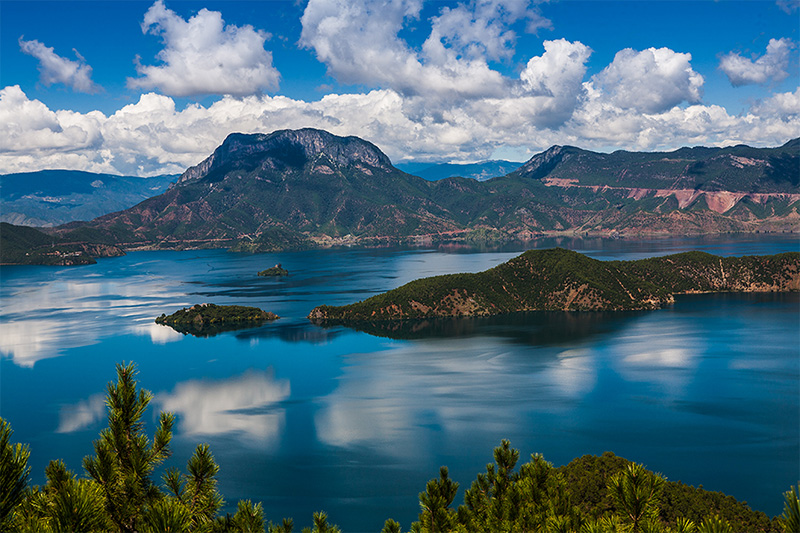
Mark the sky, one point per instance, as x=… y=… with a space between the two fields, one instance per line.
x=152 y=87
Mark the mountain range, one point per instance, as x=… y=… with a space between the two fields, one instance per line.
x=305 y=188
x=53 y=197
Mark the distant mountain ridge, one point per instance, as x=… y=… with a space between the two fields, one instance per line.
x=478 y=171
x=53 y=197
x=736 y=168
x=301 y=188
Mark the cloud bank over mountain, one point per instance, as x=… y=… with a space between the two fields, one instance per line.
x=452 y=86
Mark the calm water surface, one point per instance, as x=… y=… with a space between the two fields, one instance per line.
x=304 y=418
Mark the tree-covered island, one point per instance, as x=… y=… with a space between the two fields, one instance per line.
x=563 y=280
x=208 y=319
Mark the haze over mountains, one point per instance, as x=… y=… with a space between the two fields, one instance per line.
x=481 y=171
x=302 y=188
x=53 y=197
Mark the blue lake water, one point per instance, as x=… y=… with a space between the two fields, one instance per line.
x=304 y=418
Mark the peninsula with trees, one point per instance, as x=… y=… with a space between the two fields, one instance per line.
x=563 y=280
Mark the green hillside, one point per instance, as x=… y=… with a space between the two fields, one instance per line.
x=558 y=279
x=21 y=245
x=735 y=168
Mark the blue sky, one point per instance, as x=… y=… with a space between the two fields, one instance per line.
x=149 y=87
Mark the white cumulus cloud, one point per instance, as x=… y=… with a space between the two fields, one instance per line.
x=482 y=27
x=81 y=415
x=556 y=75
x=202 y=55
x=359 y=43
x=30 y=127
x=771 y=66
x=247 y=405
x=154 y=136
x=782 y=105
x=788 y=6
x=651 y=81
x=56 y=69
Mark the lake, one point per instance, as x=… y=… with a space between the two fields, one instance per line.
x=304 y=418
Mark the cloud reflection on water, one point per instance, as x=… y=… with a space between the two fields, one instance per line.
x=159 y=334
x=52 y=316
x=662 y=350
x=453 y=384
x=82 y=414
x=247 y=405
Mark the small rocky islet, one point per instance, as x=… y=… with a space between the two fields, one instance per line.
x=275 y=271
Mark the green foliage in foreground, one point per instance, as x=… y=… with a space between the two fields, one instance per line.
x=591 y=494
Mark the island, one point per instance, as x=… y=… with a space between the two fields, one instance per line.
x=209 y=319
x=277 y=270
x=563 y=280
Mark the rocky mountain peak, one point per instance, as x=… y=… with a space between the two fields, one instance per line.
x=289 y=148
x=543 y=163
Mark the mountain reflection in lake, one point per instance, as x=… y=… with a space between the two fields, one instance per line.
x=355 y=420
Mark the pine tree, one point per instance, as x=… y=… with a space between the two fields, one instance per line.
x=635 y=493
x=65 y=503
x=14 y=474
x=197 y=490
x=73 y=504
x=321 y=524
x=715 y=524
x=249 y=518
x=436 y=515
x=790 y=519
x=391 y=526
x=285 y=527
x=124 y=459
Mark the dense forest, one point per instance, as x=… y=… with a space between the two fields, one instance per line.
x=590 y=494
